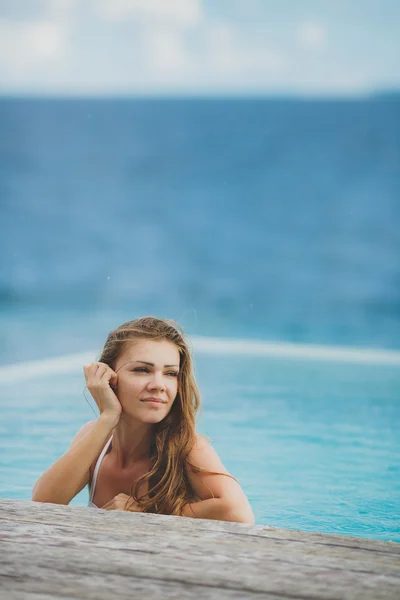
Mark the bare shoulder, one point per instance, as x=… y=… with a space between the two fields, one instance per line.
x=212 y=480
x=201 y=444
x=204 y=456
x=202 y=441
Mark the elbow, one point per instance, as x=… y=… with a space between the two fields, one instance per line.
x=42 y=496
x=240 y=514
x=249 y=519
x=37 y=496
x=47 y=500
x=243 y=517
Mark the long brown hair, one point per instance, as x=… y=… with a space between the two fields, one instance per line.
x=169 y=488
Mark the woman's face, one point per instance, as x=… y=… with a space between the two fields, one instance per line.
x=148 y=379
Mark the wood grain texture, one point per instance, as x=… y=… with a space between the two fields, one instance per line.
x=52 y=551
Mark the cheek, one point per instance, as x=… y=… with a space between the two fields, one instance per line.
x=173 y=387
x=129 y=386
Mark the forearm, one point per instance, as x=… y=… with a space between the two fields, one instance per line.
x=69 y=474
x=218 y=509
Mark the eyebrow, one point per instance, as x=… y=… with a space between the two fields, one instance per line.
x=152 y=364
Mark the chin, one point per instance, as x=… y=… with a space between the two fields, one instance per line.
x=154 y=418
x=149 y=418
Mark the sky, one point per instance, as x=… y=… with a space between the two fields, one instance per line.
x=199 y=47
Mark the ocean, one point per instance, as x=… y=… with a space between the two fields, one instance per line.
x=260 y=218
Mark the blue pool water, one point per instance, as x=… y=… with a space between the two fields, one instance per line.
x=314 y=444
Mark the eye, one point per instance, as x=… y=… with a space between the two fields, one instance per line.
x=141 y=370
x=173 y=373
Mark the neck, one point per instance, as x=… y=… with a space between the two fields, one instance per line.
x=131 y=441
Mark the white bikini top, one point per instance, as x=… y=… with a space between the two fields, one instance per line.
x=92 y=484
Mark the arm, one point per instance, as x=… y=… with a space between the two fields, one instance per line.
x=70 y=473
x=221 y=497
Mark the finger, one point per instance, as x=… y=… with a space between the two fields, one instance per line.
x=110 y=505
x=87 y=369
x=96 y=365
x=109 y=376
x=114 y=377
x=103 y=364
x=133 y=507
x=104 y=375
x=122 y=500
x=97 y=374
x=99 y=368
x=129 y=504
x=91 y=372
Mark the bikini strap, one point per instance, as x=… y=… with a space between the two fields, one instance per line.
x=92 y=485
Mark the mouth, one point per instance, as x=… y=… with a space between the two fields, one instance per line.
x=154 y=400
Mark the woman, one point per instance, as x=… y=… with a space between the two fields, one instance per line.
x=144 y=440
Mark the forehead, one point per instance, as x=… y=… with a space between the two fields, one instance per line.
x=159 y=352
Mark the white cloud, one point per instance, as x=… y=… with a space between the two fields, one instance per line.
x=220 y=47
x=157 y=55
x=215 y=54
x=23 y=44
x=312 y=34
x=164 y=52
x=231 y=55
x=61 y=6
x=179 y=13
x=156 y=46
x=29 y=46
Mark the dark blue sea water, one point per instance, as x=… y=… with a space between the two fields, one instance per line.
x=256 y=218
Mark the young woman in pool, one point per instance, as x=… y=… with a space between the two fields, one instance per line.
x=151 y=458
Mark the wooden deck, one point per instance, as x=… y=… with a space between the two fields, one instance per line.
x=50 y=551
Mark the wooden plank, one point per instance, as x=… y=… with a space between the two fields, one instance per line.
x=100 y=587
x=356 y=559
x=18 y=510
x=58 y=562
x=93 y=553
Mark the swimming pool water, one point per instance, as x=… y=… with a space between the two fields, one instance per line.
x=314 y=444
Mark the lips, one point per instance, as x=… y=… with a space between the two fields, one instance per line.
x=157 y=400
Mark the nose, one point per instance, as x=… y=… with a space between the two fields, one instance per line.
x=156 y=382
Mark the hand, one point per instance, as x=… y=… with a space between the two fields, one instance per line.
x=99 y=379
x=122 y=502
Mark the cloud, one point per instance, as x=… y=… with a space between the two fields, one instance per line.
x=23 y=44
x=60 y=7
x=33 y=40
x=178 y=46
x=214 y=55
x=164 y=52
x=137 y=56
x=37 y=10
x=312 y=34
x=178 y=13
x=230 y=54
